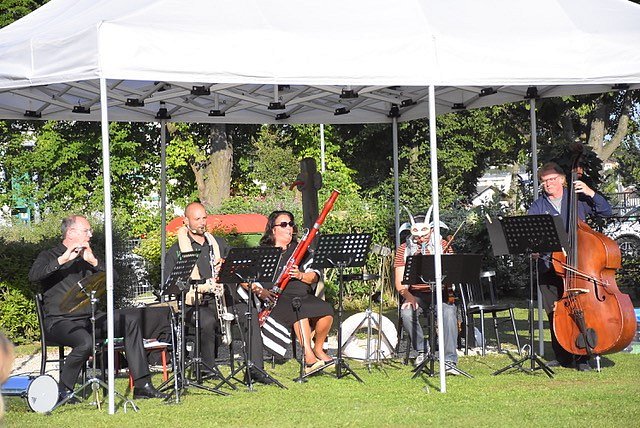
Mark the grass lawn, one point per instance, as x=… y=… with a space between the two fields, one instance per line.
x=389 y=397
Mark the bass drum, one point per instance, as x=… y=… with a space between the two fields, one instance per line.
x=352 y=347
x=40 y=393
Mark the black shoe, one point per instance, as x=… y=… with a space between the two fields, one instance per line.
x=206 y=373
x=148 y=391
x=584 y=367
x=258 y=377
x=69 y=396
x=553 y=363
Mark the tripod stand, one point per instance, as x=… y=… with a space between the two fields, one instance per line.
x=341 y=251
x=528 y=235
x=94 y=382
x=457 y=269
x=177 y=283
x=383 y=345
x=249 y=265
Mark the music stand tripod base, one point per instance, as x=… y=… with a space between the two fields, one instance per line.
x=456 y=268
x=249 y=265
x=340 y=251
x=178 y=283
x=529 y=234
x=536 y=364
x=430 y=370
x=320 y=369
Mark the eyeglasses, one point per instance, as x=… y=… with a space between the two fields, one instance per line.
x=284 y=224
x=551 y=179
x=89 y=231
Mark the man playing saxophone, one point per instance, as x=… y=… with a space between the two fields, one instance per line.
x=212 y=297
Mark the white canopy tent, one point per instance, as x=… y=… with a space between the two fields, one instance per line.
x=270 y=61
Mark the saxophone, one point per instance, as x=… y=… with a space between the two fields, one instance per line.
x=224 y=317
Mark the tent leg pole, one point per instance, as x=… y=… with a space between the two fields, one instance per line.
x=108 y=239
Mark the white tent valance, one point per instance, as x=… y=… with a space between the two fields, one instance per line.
x=270 y=61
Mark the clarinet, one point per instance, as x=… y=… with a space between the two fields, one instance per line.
x=224 y=317
x=296 y=258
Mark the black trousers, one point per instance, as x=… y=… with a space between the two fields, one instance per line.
x=209 y=328
x=75 y=332
x=551 y=289
x=257 y=348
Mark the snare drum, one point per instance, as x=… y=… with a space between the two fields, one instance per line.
x=40 y=393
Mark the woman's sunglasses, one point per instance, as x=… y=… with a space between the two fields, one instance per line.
x=284 y=224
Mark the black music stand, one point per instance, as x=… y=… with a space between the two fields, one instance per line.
x=178 y=283
x=456 y=269
x=340 y=251
x=250 y=265
x=530 y=234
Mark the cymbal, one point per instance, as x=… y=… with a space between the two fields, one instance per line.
x=359 y=277
x=78 y=297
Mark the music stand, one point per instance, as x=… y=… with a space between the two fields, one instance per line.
x=457 y=269
x=250 y=265
x=530 y=234
x=340 y=251
x=178 y=284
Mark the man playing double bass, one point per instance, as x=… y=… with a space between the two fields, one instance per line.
x=555 y=201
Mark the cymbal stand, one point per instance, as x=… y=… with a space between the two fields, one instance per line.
x=94 y=382
x=176 y=346
x=180 y=379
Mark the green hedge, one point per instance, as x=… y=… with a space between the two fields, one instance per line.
x=17 y=307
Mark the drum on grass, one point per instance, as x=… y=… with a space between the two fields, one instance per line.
x=40 y=392
x=353 y=347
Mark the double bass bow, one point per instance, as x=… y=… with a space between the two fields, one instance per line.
x=593 y=316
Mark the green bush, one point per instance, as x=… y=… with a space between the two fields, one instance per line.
x=17 y=308
x=18 y=319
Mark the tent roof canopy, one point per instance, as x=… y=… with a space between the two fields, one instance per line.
x=238 y=103
x=337 y=62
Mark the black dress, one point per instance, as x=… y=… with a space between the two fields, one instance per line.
x=311 y=307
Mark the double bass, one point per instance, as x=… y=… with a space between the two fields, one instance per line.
x=593 y=316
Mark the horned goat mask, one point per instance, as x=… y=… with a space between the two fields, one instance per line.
x=419 y=229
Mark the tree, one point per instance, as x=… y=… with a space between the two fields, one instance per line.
x=63 y=165
x=468 y=142
x=600 y=121
x=204 y=154
x=628 y=154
